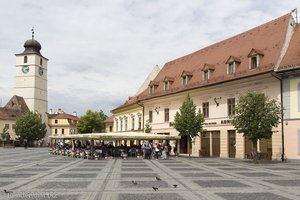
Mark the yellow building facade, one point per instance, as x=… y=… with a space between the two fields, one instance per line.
x=61 y=123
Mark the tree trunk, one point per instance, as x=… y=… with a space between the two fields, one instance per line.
x=254 y=150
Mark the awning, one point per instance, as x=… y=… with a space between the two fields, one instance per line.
x=118 y=136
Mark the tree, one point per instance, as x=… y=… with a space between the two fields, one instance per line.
x=30 y=127
x=148 y=128
x=91 y=122
x=187 y=122
x=255 y=116
x=3 y=135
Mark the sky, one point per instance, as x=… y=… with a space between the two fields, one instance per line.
x=100 y=52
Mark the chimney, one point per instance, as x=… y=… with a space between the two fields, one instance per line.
x=75 y=113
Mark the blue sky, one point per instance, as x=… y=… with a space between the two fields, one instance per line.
x=100 y=52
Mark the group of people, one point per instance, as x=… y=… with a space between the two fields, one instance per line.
x=147 y=150
x=155 y=150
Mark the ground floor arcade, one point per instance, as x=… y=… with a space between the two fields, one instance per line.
x=230 y=144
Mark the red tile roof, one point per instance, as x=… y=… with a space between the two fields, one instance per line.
x=128 y=102
x=14 y=108
x=109 y=119
x=292 y=56
x=62 y=116
x=266 y=40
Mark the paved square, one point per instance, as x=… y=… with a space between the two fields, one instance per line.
x=34 y=172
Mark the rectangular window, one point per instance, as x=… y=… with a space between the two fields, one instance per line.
x=231 y=106
x=13 y=126
x=55 y=131
x=206 y=75
x=231 y=68
x=6 y=126
x=140 y=122
x=121 y=125
x=167 y=114
x=254 y=62
x=110 y=128
x=126 y=124
x=117 y=125
x=205 y=109
x=150 y=116
x=151 y=89
x=56 y=121
x=62 y=131
x=167 y=85
x=132 y=122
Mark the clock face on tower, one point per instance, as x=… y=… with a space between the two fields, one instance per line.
x=25 y=69
x=41 y=71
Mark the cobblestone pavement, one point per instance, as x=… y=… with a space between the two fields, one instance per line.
x=35 y=174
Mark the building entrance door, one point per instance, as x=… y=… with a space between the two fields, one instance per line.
x=231 y=144
x=216 y=144
x=205 y=144
x=183 y=144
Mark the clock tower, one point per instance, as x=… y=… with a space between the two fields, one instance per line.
x=31 y=78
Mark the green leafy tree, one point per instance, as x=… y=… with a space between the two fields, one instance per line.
x=255 y=116
x=103 y=117
x=91 y=122
x=148 y=128
x=30 y=127
x=187 y=122
x=3 y=135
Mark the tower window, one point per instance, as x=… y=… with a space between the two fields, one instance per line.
x=25 y=59
x=41 y=62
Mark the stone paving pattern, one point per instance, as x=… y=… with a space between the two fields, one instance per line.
x=35 y=174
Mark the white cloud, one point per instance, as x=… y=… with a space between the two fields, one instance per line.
x=100 y=52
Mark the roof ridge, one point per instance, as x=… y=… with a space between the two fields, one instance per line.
x=229 y=39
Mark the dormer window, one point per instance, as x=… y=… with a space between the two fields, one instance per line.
x=254 y=62
x=168 y=82
x=255 y=57
x=152 y=86
x=25 y=59
x=232 y=63
x=166 y=85
x=185 y=77
x=207 y=71
x=206 y=75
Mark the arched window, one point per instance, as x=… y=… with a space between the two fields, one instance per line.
x=299 y=96
x=25 y=59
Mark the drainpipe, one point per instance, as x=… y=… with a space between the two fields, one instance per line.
x=282 y=124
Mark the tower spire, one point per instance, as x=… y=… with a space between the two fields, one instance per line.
x=32 y=33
